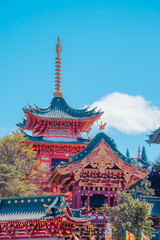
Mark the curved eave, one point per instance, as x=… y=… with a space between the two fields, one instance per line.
x=80 y=220
x=55 y=143
x=39 y=140
x=154 y=137
x=95 y=142
x=96 y=115
x=59 y=104
x=86 y=158
x=32 y=121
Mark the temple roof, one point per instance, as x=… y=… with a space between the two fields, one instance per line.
x=93 y=144
x=100 y=153
x=34 y=208
x=59 y=109
x=154 y=204
x=154 y=137
x=41 y=139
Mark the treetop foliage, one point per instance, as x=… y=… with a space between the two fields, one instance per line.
x=127 y=153
x=20 y=174
x=144 y=155
x=142 y=187
x=130 y=214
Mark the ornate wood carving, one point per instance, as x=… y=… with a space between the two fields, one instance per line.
x=102 y=162
x=77 y=175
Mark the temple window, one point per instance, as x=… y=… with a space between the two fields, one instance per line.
x=97 y=200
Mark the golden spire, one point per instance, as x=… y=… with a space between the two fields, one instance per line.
x=139 y=152
x=57 y=92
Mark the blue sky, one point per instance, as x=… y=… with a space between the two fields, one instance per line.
x=111 y=50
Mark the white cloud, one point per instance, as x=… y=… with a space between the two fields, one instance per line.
x=128 y=114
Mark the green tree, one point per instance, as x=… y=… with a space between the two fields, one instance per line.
x=130 y=214
x=127 y=153
x=19 y=171
x=144 y=155
x=142 y=187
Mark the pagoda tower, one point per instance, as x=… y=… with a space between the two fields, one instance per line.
x=56 y=130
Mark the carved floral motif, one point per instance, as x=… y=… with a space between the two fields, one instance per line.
x=77 y=175
x=102 y=162
x=127 y=177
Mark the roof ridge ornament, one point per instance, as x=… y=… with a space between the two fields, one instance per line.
x=57 y=92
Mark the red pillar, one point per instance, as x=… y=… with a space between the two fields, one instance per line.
x=58 y=189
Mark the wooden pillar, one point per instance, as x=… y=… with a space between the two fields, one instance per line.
x=88 y=201
x=78 y=199
x=109 y=200
x=73 y=202
x=113 y=200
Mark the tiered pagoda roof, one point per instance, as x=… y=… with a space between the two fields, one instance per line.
x=154 y=137
x=58 y=115
x=58 y=111
x=105 y=146
x=31 y=216
x=55 y=140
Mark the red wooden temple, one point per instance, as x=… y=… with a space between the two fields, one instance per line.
x=42 y=217
x=94 y=176
x=92 y=170
x=56 y=130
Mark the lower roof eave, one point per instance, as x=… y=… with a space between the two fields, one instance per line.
x=78 y=220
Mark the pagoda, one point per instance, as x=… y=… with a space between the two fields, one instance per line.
x=94 y=176
x=56 y=130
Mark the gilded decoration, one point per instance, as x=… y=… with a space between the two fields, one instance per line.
x=127 y=177
x=77 y=175
x=102 y=162
x=103 y=158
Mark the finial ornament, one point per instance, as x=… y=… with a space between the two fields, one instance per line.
x=58 y=48
x=57 y=93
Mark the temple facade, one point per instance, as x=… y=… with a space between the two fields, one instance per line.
x=94 y=176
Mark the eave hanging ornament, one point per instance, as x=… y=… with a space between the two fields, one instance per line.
x=57 y=93
x=102 y=126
